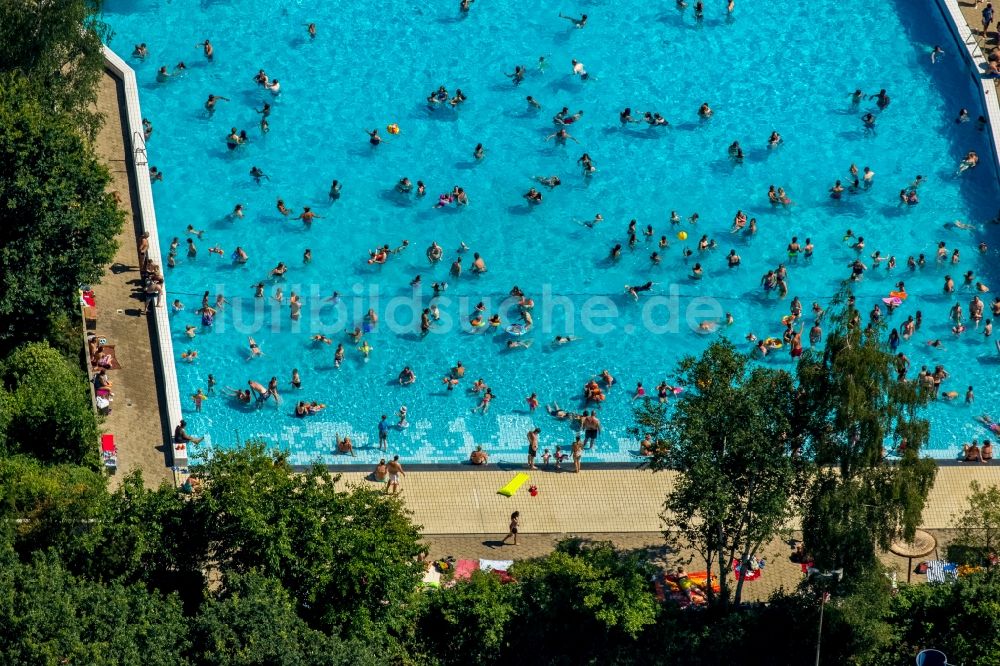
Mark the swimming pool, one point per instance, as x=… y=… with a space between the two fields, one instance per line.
x=789 y=68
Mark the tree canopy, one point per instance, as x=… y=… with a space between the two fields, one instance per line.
x=728 y=440
x=52 y=617
x=57 y=221
x=45 y=406
x=346 y=555
x=851 y=412
x=54 y=48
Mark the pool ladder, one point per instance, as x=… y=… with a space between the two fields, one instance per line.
x=139 y=149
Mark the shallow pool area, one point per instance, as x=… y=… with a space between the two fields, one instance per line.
x=787 y=68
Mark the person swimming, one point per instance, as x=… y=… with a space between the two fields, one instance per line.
x=577 y=22
x=634 y=291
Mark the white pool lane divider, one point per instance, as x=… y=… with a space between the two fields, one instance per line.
x=976 y=60
x=139 y=163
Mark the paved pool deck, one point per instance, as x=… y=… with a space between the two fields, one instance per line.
x=136 y=419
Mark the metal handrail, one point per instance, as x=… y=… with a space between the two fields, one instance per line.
x=139 y=149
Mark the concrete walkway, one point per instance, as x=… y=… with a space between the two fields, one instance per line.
x=617 y=501
x=973 y=13
x=135 y=420
x=462 y=515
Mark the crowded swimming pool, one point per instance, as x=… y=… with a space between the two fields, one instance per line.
x=788 y=69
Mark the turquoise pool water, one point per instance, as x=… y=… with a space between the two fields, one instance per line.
x=788 y=67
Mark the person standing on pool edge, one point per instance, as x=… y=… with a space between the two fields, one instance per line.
x=591 y=427
x=383 y=433
x=533 y=447
x=395 y=471
x=515 y=522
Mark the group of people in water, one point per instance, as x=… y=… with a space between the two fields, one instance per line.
x=775 y=282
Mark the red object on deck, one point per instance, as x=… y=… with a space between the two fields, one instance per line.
x=108 y=444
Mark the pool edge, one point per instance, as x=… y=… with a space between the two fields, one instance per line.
x=972 y=54
x=167 y=374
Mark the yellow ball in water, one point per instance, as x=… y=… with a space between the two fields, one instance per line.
x=682 y=235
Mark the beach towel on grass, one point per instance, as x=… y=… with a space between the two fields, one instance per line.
x=519 y=480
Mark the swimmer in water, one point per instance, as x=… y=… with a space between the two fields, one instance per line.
x=561 y=136
x=533 y=196
x=335 y=190
x=256 y=173
x=634 y=291
x=869 y=121
x=254 y=349
x=307 y=215
x=577 y=22
x=211 y=101
x=970 y=161
x=936 y=53
x=207 y=48
x=312 y=30
x=579 y=70
x=533 y=103
x=549 y=181
x=373 y=137
x=882 y=99
x=517 y=76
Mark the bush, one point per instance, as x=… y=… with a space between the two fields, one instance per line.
x=58 y=223
x=45 y=408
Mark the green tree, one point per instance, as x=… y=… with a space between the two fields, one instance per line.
x=347 y=556
x=51 y=617
x=469 y=622
x=49 y=506
x=849 y=406
x=584 y=603
x=149 y=536
x=55 y=48
x=727 y=440
x=254 y=622
x=47 y=409
x=962 y=619
x=978 y=524
x=652 y=420
x=57 y=222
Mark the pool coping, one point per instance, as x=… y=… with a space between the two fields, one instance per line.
x=972 y=54
x=164 y=359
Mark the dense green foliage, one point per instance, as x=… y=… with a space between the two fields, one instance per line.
x=348 y=556
x=45 y=407
x=43 y=46
x=52 y=617
x=57 y=222
x=979 y=527
x=255 y=622
x=728 y=440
